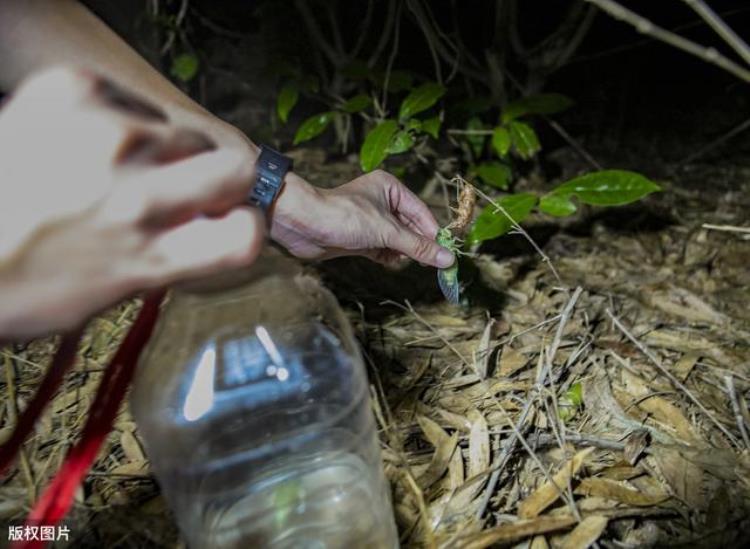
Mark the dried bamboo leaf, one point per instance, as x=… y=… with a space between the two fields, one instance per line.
x=510 y=362
x=683 y=303
x=586 y=533
x=439 y=463
x=484 y=350
x=508 y=533
x=131 y=447
x=456 y=471
x=612 y=489
x=660 y=408
x=539 y=542
x=479 y=444
x=683 y=477
x=685 y=365
x=621 y=472
x=547 y=493
x=434 y=434
x=635 y=444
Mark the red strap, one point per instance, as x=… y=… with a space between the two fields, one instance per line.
x=64 y=358
x=57 y=499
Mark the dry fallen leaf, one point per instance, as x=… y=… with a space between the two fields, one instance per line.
x=510 y=362
x=660 y=408
x=484 y=351
x=548 y=493
x=508 y=533
x=635 y=444
x=611 y=489
x=479 y=444
x=586 y=533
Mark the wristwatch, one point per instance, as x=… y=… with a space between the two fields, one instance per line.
x=270 y=170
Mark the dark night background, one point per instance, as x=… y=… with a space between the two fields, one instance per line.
x=634 y=96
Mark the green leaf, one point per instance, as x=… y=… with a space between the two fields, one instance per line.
x=574 y=395
x=313 y=127
x=431 y=126
x=414 y=124
x=401 y=142
x=184 y=67
x=476 y=141
x=524 y=139
x=491 y=223
x=420 y=99
x=608 y=188
x=501 y=141
x=557 y=205
x=543 y=103
x=357 y=103
x=288 y=97
x=375 y=147
x=495 y=174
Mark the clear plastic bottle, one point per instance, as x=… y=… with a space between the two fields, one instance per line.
x=253 y=404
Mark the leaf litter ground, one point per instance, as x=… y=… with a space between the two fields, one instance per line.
x=608 y=409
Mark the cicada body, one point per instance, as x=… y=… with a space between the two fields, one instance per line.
x=448 y=278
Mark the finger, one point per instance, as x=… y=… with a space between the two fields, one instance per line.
x=420 y=248
x=384 y=256
x=154 y=145
x=118 y=98
x=408 y=206
x=209 y=183
x=204 y=246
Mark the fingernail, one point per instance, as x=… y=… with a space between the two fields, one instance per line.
x=445 y=258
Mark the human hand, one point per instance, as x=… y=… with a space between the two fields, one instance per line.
x=103 y=197
x=374 y=215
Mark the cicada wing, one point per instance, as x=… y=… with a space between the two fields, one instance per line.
x=448 y=282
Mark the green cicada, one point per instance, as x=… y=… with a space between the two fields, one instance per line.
x=448 y=278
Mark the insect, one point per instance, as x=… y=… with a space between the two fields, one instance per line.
x=448 y=278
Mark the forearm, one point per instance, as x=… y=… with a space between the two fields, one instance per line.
x=35 y=34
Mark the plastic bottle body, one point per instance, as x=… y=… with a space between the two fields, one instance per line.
x=254 y=407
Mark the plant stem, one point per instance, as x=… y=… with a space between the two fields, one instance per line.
x=722 y=29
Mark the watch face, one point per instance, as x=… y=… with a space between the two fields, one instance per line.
x=272 y=167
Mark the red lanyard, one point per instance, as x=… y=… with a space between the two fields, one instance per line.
x=57 y=498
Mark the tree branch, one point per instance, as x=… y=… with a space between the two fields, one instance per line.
x=644 y=26
x=722 y=29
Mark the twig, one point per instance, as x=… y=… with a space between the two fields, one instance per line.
x=644 y=26
x=676 y=382
x=519 y=428
x=390 y=19
x=588 y=58
x=522 y=231
x=573 y=143
x=721 y=28
x=420 y=17
x=726 y=228
x=729 y=382
x=408 y=307
x=392 y=56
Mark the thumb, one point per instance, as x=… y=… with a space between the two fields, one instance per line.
x=420 y=248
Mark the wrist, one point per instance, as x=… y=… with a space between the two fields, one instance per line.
x=295 y=207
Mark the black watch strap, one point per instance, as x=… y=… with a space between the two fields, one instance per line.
x=270 y=170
